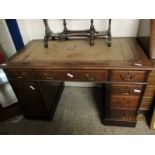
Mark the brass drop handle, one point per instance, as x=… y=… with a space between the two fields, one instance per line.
x=70 y=75
x=90 y=78
x=128 y=91
x=126 y=76
x=31 y=87
x=20 y=77
x=49 y=76
x=137 y=91
x=125 y=91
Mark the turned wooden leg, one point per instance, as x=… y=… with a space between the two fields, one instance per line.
x=45 y=42
x=92 y=31
x=109 y=34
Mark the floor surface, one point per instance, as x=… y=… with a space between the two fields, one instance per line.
x=78 y=113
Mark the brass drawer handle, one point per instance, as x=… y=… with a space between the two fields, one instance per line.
x=127 y=76
x=70 y=75
x=32 y=87
x=90 y=78
x=128 y=91
x=49 y=76
x=137 y=91
x=20 y=77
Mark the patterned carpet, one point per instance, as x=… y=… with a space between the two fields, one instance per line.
x=78 y=113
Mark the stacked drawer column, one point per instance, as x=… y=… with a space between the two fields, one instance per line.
x=125 y=93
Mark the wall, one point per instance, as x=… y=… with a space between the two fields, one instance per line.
x=34 y=28
x=6 y=40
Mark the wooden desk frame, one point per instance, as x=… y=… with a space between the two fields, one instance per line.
x=125 y=81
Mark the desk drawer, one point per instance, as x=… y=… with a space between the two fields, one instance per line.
x=125 y=95
x=126 y=89
x=128 y=76
x=121 y=114
x=21 y=85
x=18 y=74
x=71 y=75
x=124 y=102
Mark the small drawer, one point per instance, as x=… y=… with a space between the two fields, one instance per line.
x=124 y=102
x=128 y=76
x=71 y=75
x=18 y=74
x=93 y=75
x=122 y=114
x=126 y=89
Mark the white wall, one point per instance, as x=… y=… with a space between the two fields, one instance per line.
x=6 y=40
x=34 y=28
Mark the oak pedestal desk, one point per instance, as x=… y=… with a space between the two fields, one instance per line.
x=37 y=75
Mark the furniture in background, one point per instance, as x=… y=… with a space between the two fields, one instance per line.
x=37 y=75
x=90 y=34
x=2 y=55
x=146 y=36
x=9 y=106
x=152 y=124
x=3 y=78
x=149 y=95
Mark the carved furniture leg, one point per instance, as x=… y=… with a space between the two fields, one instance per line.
x=48 y=33
x=65 y=31
x=92 y=31
x=109 y=34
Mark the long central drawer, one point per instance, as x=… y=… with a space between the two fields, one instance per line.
x=71 y=75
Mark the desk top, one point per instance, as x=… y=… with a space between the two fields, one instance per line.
x=125 y=52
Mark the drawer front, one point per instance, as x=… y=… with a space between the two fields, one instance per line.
x=78 y=75
x=21 y=85
x=128 y=76
x=121 y=114
x=29 y=96
x=18 y=74
x=126 y=90
x=124 y=102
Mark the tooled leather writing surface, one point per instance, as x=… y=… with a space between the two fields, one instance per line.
x=77 y=50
